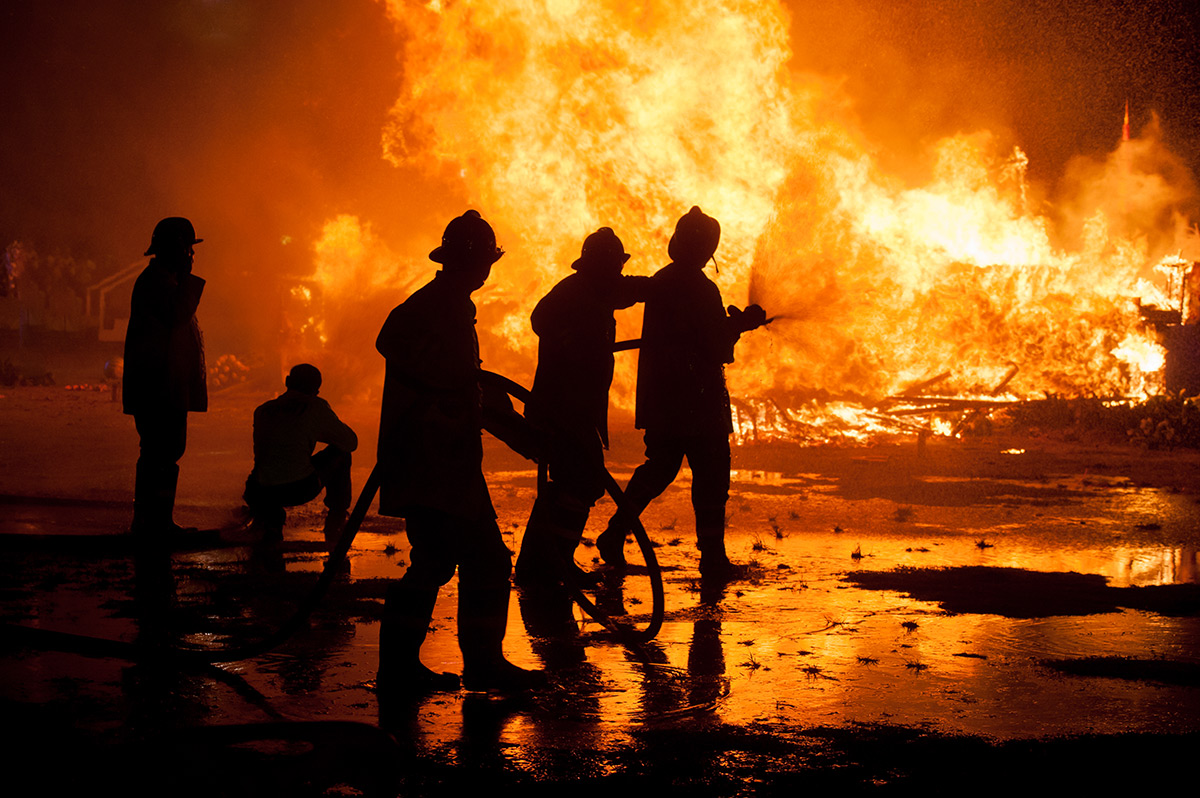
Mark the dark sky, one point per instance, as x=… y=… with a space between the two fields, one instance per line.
x=262 y=119
x=1054 y=74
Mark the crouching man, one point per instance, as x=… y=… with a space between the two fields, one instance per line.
x=286 y=472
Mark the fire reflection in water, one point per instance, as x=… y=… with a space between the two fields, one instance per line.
x=798 y=644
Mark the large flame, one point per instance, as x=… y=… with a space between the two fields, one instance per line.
x=567 y=116
x=884 y=284
x=561 y=116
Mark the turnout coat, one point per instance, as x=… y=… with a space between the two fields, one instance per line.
x=576 y=332
x=164 y=349
x=430 y=440
x=687 y=338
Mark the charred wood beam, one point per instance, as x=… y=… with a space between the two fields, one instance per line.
x=1008 y=377
x=946 y=404
x=970 y=416
x=915 y=390
x=897 y=423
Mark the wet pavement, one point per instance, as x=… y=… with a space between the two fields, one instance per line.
x=909 y=615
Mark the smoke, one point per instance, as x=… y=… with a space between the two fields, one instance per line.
x=1142 y=188
x=258 y=121
x=1052 y=76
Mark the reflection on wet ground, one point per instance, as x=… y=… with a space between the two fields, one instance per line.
x=1032 y=603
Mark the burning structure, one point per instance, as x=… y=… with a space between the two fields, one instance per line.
x=890 y=254
x=561 y=117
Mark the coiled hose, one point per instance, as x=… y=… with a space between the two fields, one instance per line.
x=654 y=571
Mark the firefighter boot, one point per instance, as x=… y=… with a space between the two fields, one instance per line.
x=269 y=521
x=715 y=565
x=482 y=618
x=154 y=505
x=166 y=496
x=611 y=542
x=406 y=616
x=335 y=522
x=536 y=566
x=547 y=556
x=570 y=516
x=143 y=501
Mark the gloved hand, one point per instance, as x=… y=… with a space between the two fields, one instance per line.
x=751 y=318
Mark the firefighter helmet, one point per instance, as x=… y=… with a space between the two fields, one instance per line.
x=172 y=233
x=467 y=238
x=696 y=237
x=601 y=248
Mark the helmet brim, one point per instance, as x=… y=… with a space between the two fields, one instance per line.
x=153 y=249
x=440 y=254
x=585 y=261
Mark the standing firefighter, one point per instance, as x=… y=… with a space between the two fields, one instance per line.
x=431 y=463
x=682 y=403
x=164 y=375
x=576 y=332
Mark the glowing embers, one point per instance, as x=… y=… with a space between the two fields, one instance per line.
x=763 y=420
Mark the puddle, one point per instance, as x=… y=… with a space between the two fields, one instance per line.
x=818 y=638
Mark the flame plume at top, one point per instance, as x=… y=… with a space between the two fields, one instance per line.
x=562 y=116
x=567 y=116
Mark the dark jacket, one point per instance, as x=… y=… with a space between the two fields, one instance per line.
x=576 y=331
x=164 y=349
x=430 y=446
x=287 y=429
x=687 y=338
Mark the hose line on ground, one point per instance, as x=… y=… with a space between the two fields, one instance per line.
x=654 y=571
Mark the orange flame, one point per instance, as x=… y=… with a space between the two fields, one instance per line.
x=561 y=116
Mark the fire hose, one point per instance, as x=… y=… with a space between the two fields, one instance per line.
x=654 y=571
x=119 y=649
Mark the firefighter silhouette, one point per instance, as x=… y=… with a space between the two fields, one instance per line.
x=287 y=473
x=431 y=461
x=164 y=375
x=682 y=404
x=576 y=331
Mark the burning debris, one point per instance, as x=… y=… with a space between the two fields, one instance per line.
x=559 y=123
x=885 y=259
